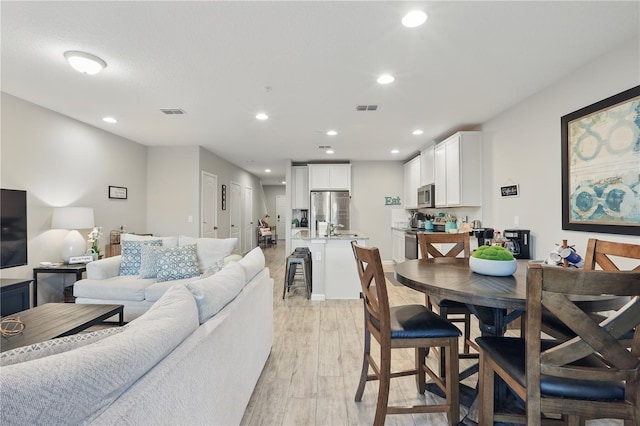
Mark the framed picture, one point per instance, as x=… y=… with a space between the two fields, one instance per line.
x=224 y=197
x=118 y=192
x=601 y=166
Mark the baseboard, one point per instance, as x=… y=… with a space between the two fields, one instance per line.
x=318 y=298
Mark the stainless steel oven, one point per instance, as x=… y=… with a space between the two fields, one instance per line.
x=411 y=245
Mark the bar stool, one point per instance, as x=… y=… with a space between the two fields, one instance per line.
x=304 y=260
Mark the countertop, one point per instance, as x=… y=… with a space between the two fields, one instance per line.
x=342 y=235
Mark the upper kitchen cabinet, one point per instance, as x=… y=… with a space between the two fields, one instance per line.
x=458 y=170
x=300 y=187
x=427 y=166
x=411 y=183
x=330 y=177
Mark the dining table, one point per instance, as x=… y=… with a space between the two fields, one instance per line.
x=494 y=300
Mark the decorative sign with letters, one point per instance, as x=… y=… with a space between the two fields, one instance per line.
x=392 y=201
x=510 y=190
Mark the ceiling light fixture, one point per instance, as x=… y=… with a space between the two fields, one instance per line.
x=332 y=133
x=330 y=151
x=84 y=62
x=385 y=79
x=417 y=132
x=284 y=182
x=395 y=151
x=110 y=120
x=262 y=116
x=267 y=170
x=413 y=19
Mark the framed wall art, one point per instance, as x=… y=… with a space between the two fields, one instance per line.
x=224 y=197
x=118 y=192
x=601 y=166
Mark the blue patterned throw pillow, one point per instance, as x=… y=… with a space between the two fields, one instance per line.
x=149 y=261
x=131 y=255
x=175 y=263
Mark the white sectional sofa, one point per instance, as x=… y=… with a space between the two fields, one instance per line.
x=193 y=358
x=109 y=281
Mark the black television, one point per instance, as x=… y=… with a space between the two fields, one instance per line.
x=13 y=228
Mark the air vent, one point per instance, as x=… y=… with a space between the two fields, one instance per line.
x=366 y=107
x=324 y=146
x=172 y=111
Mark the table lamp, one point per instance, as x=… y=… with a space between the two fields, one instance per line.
x=72 y=218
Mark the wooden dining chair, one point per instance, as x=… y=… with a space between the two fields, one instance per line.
x=594 y=375
x=453 y=311
x=407 y=326
x=600 y=255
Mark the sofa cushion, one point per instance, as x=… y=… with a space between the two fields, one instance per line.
x=124 y=287
x=166 y=241
x=210 y=250
x=130 y=261
x=74 y=387
x=213 y=293
x=252 y=263
x=156 y=290
x=176 y=263
x=55 y=346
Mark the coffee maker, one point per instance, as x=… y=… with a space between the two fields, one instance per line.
x=484 y=236
x=518 y=242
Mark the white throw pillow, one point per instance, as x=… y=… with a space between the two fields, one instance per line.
x=210 y=250
x=166 y=241
x=252 y=263
x=213 y=293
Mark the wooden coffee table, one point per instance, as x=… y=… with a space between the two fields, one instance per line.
x=53 y=320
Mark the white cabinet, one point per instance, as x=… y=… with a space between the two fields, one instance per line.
x=300 y=187
x=330 y=176
x=411 y=183
x=397 y=238
x=458 y=170
x=426 y=166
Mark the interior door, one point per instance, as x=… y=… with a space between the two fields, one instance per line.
x=281 y=216
x=235 y=220
x=248 y=224
x=209 y=206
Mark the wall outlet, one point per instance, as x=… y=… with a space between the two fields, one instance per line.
x=318 y=255
x=190 y=219
x=516 y=221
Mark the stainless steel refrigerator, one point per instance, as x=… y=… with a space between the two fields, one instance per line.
x=329 y=206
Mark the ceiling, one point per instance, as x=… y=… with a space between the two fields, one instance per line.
x=307 y=64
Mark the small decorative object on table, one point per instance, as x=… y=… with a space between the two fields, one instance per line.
x=493 y=260
x=94 y=240
x=11 y=326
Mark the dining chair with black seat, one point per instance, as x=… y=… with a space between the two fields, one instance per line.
x=456 y=312
x=596 y=374
x=600 y=255
x=406 y=326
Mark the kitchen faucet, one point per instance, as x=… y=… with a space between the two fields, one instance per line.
x=332 y=228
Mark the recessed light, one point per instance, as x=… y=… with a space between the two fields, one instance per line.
x=417 y=132
x=267 y=170
x=385 y=79
x=395 y=151
x=84 y=62
x=284 y=182
x=110 y=120
x=330 y=151
x=262 y=116
x=415 y=18
x=332 y=133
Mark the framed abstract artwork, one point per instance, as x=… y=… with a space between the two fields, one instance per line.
x=601 y=166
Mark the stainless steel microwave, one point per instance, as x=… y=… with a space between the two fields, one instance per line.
x=427 y=196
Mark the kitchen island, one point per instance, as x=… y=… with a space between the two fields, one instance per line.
x=334 y=267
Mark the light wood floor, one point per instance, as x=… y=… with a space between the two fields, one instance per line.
x=312 y=373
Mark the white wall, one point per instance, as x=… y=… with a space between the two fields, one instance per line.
x=62 y=162
x=522 y=145
x=371 y=182
x=173 y=181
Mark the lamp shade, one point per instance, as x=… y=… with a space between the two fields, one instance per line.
x=72 y=218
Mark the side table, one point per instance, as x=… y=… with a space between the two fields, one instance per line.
x=78 y=269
